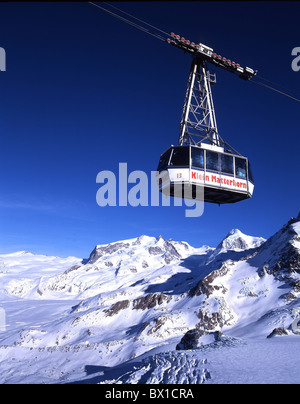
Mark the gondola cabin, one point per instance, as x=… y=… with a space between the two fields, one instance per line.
x=223 y=176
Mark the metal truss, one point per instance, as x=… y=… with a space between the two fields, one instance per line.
x=198 y=122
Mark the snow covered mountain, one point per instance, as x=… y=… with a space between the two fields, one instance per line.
x=149 y=310
x=237 y=241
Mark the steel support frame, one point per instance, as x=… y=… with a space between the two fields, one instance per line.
x=198 y=121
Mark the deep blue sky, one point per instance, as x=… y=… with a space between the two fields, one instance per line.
x=84 y=91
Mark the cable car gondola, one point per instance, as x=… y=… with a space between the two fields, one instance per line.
x=225 y=177
x=207 y=167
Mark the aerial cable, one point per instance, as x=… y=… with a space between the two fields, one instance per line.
x=274 y=89
x=278 y=85
x=128 y=21
x=160 y=37
x=138 y=19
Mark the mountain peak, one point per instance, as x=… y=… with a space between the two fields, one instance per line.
x=137 y=250
x=238 y=241
x=234 y=232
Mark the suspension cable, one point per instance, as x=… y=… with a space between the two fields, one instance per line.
x=274 y=89
x=128 y=21
x=138 y=19
x=278 y=85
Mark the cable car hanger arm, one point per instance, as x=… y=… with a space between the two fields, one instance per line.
x=205 y=53
x=199 y=50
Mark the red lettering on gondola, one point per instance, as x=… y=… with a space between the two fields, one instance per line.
x=199 y=176
x=216 y=179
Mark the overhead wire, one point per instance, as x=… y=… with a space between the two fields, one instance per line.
x=160 y=37
x=278 y=85
x=138 y=19
x=128 y=21
x=274 y=89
